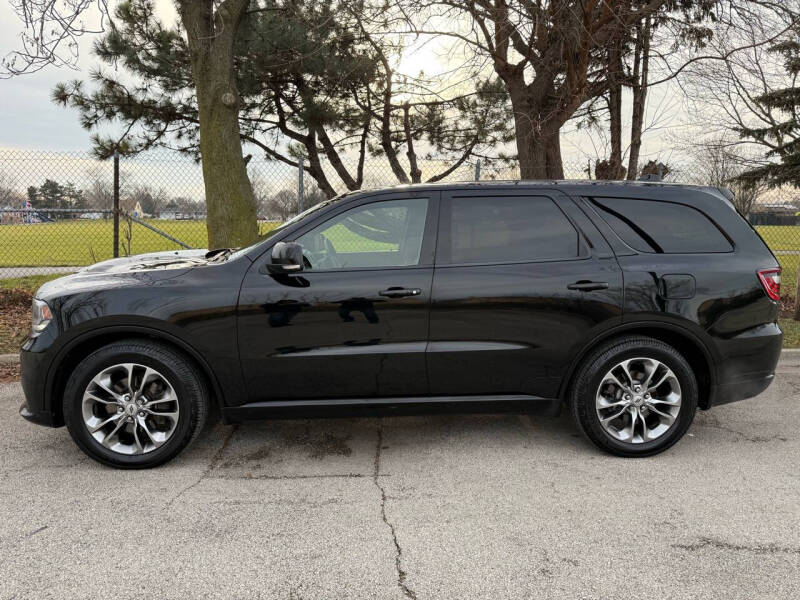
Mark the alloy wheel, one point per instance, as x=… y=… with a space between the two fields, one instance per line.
x=638 y=400
x=130 y=409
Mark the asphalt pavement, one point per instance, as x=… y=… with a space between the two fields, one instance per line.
x=459 y=507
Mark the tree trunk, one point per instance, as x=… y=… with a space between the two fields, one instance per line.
x=538 y=143
x=539 y=152
x=615 y=111
x=230 y=203
x=641 y=62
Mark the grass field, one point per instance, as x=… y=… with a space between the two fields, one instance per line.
x=83 y=242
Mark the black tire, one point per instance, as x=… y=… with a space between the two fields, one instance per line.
x=180 y=372
x=593 y=369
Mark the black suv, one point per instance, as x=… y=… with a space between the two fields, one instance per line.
x=632 y=303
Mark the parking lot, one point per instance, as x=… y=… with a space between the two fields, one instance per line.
x=499 y=506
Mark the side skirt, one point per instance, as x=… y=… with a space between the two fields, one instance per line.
x=349 y=407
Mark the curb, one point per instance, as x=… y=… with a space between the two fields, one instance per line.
x=8 y=359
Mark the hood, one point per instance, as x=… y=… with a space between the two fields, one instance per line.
x=172 y=259
x=129 y=270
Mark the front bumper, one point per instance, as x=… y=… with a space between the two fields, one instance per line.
x=36 y=364
x=45 y=418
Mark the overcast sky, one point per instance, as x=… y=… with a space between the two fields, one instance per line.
x=28 y=117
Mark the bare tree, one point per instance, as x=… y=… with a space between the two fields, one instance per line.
x=9 y=195
x=282 y=205
x=51 y=32
x=720 y=163
x=722 y=92
x=551 y=57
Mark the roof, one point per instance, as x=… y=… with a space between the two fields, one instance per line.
x=644 y=189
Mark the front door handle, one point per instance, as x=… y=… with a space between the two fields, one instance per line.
x=588 y=286
x=399 y=292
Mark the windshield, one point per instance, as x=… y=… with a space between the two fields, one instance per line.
x=239 y=252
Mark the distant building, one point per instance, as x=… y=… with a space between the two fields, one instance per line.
x=177 y=215
x=775 y=213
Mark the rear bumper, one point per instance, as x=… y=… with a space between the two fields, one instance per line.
x=741 y=390
x=747 y=364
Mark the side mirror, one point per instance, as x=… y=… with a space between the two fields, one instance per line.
x=287 y=258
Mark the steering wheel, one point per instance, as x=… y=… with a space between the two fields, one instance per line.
x=321 y=254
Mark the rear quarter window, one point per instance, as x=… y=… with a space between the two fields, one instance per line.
x=662 y=227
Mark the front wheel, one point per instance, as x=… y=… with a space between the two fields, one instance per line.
x=634 y=396
x=135 y=404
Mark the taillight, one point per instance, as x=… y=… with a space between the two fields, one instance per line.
x=771 y=280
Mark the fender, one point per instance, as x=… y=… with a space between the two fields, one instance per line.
x=629 y=326
x=132 y=329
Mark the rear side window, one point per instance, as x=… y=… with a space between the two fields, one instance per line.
x=507 y=229
x=662 y=227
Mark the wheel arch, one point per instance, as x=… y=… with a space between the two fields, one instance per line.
x=77 y=349
x=687 y=343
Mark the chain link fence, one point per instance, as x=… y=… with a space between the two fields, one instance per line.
x=57 y=208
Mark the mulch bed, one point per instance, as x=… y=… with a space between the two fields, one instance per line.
x=15 y=318
x=787 y=306
x=9 y=372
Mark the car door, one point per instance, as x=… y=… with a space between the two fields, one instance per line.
x=354 y=322
x=523 y=279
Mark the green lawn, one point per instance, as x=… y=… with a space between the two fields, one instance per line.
x=30 y=283
x=791 y=332
x=784 y=238
x=83 y=242
x=781 y=237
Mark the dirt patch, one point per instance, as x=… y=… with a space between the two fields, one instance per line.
x=9 y=372
x=329 y=445
x=15 y=318
x=787 y=306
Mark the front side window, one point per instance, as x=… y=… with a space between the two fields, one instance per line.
x=380 y=234
x=508 y=229
x=661 y=227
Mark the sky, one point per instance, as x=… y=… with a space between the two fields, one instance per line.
x=28 y=117
x=30 y=120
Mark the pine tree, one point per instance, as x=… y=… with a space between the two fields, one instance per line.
x=783 y=136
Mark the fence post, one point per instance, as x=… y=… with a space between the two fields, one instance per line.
x=478 y=170
x=116 y=204
x=299 y=186
x=797 y=293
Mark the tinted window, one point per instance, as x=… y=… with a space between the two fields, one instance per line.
x=508 y=229
x=663 y=227
x=380 y=234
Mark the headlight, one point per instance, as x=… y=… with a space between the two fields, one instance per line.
x=42 y=315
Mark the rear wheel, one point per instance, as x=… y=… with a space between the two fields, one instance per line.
x=135 y=404
x=634 y=396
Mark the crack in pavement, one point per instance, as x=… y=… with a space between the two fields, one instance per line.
x=712 y=422
x=291 y=477
x=398 y=552
x=35 y=531
x=211 y=465
x=706 y=542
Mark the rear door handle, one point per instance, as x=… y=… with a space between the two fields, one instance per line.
x=398 y=292
x=588 y=286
